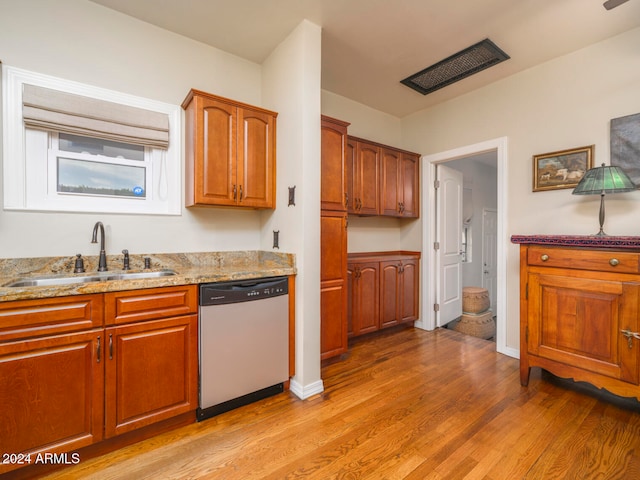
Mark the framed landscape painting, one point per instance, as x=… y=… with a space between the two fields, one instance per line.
x=562 y=169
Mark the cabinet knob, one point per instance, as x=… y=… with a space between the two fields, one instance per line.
x=614 y=261
x=544 y=257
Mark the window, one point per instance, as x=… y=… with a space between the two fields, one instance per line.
x=73 y=147
x=466 y=243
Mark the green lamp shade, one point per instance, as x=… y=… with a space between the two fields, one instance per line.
x=604 y=179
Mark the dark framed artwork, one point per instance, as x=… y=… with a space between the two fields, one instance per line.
x=625 y=145
x=562 y=169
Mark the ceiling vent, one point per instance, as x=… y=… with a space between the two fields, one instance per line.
x=460 y=65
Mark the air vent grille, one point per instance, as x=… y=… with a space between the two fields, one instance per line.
x=460 y=65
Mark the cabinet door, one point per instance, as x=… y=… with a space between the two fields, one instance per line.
x=352 y=175
x=410 y=186
x=577 y=322
x=333 y=177
x=51 y=393
x=390 y=184
x=333 y=284
x=368 y=180
x=215 y=152
x=255 y=182
x=151 y=372
x=351 y=286
x=366 y=298
x=389 y=293
x=409 y=290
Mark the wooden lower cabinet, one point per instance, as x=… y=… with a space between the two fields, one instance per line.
x=151 y=372
x=333 y=284
x=576 y=305
x=364 y=301
x=398 y=291
x=51 y=395
x=68 y=390
x=383 y=290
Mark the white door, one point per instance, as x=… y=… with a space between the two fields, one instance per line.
x=489 y=254
x=449 y=244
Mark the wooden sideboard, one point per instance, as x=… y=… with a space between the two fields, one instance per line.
x=579 y=310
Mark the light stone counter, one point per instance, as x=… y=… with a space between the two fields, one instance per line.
x=190 y=268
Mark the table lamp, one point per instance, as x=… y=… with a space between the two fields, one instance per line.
x=601 y=180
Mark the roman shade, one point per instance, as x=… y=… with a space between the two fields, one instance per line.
x=53 y=110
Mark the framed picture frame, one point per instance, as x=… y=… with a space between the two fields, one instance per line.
x=562 y=169
x=625 y=145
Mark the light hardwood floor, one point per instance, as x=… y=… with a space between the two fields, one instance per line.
x=408 y=404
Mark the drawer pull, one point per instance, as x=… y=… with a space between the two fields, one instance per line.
x=614 y=261
x=630 y=336
x=544 y=257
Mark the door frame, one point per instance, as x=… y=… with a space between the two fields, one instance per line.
x=428 y=271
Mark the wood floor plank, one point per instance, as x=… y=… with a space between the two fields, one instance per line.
x=402 y=404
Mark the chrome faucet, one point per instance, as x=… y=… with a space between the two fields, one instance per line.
x=102 y=262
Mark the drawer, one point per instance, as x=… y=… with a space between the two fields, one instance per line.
x=598 y=260
x=49 y=316
x=153 y=303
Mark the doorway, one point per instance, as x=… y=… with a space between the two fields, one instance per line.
x=498 y=148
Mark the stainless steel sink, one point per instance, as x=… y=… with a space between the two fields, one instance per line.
x=139 y=275
x=101 y=277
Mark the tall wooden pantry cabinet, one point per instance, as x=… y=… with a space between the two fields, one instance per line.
x=333 y=238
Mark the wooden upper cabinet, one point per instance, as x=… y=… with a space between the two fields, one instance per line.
x=256 y=174
x=230 y=153
x=383 y=180
x=391 y=182
x=350 y=153
x=364 y=170
x=333 y=184
x=410 y=182
x=399 y=183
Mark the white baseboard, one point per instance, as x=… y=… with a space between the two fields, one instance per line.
x=305 y=391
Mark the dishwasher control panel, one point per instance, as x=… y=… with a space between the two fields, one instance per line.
x=242 y=291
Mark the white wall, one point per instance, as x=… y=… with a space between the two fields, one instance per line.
x=366 y=122
x=82 y=41
x=291 y=86
x=564 y=103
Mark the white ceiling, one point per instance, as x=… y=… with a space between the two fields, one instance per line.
x=368 y=46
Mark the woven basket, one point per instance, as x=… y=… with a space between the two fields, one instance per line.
x=478 y=325
x=475 y=300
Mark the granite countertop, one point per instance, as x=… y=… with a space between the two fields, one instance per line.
x=593 y=241
x=190 y=268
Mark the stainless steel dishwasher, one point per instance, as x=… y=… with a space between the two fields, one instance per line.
x=243 y=343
